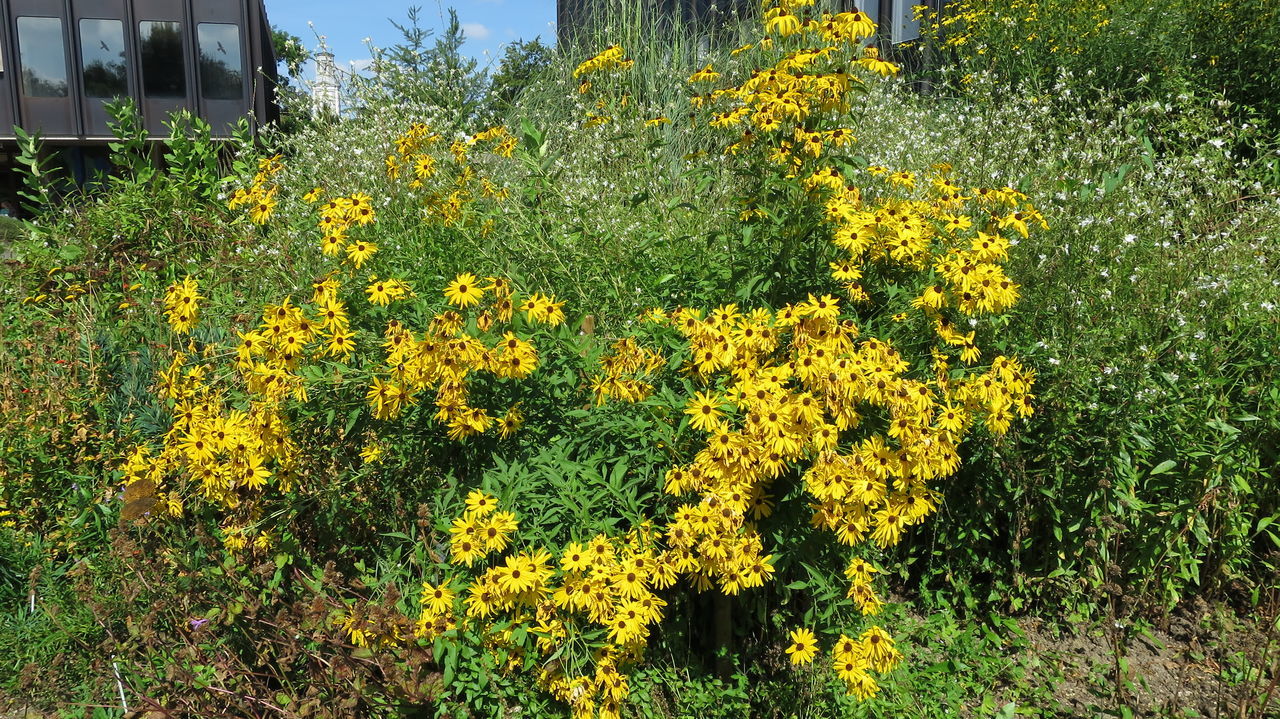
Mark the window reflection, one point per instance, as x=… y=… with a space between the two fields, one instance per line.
x=102 y=55
x=221 y=68
x=161 y=50
x=42 y=56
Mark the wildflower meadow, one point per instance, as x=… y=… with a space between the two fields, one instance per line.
x=760 y=369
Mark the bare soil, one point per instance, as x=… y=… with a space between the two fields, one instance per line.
x=1200 y=661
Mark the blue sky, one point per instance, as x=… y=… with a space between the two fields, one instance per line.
x=489 y=24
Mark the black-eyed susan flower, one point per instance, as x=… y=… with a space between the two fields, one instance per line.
x=359 y=252
x=804 y=646
x=704 y=411
x=341 y=343
x=706 y=74
x=575 y=558
x=181 y=302
x=464 y=291
x=262 y=208
x=879 y=650
x=379 y=293
x=437 y=599
x=480 y=504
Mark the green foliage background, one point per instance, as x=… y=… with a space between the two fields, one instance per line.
x=1148 y=478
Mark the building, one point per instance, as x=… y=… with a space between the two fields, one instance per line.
x=62 y=61
x=895 y=17
x=326 y=89
x=573 y=16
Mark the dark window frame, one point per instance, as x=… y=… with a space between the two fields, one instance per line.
x=28 y=79
x=121 y=77
x=211 y=86
x=168 y=81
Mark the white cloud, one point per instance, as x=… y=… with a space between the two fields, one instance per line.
x=475 y=31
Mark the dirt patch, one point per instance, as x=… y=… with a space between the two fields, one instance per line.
x=1203 y=662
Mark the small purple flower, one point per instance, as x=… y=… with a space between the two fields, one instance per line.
x=197 y=623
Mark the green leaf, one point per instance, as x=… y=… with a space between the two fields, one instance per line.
x=450 y=664
x=351 y=420
x=1163 y=467
x=1222 y=426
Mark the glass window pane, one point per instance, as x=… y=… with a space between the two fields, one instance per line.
x=102 y=55
x=221 y=69
x=42 y=56
x=161 y=50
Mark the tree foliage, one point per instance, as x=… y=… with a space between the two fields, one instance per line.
x=440 y=75
x=522 y=63
x=295 y=109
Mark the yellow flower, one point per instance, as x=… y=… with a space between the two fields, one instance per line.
x=575 y=558
x=902 y=178
x=517 y=575
x=783 y=24
x=704 y=411
x=252 y=474
x=262 y=208
x=379 y=293
x=706 y=74
x=510 y=423
x=878 y=66
x=464 y=291
x=333 y=243
x=181 y=305
x=238 y=198
x=852 y=669
x=824 y=307
x=361 y=209
x=424 y=166
x=438 y=599
x=889 y=525
x=465 y=545
x=333 y=314
x=877 y=647
x=360 y=252
x=506 y=147
x=543 y=309
x=341 y=343
x=860 y=571
x=480 y=504
x=371 y=453
x=608 y=59
x=494 y=530
x=804 y=646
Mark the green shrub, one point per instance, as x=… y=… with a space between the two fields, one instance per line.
x=1146 y=477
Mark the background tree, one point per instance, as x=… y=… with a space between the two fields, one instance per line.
x=295 y=106
x=522 y=63
x=410 y=72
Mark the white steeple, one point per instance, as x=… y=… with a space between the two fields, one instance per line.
x=324 y=91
